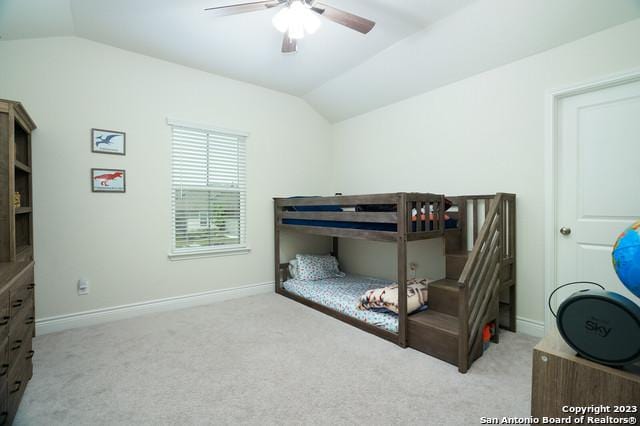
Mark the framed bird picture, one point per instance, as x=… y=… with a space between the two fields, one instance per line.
x=108 y=180
x=108 y=141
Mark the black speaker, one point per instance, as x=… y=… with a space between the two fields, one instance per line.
x=602 y=326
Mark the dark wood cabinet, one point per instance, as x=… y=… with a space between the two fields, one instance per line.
x=562 y=379
x=17 y=282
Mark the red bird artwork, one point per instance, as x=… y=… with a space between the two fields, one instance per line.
x=108 y=177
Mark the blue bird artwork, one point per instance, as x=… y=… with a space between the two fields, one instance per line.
x=108 y=141
x=105 y=140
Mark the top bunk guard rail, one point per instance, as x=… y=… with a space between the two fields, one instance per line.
x=370 y=217
x=471 y=212
x=415 y=226
x=339 y=200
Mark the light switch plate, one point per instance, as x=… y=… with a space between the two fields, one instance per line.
x=83 y=287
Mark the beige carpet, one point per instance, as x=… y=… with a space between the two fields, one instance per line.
x=262 y=360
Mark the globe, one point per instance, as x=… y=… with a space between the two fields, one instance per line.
x=626 y=258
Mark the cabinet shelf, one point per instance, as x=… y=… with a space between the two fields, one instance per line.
x=21 y=166
x=23 y=210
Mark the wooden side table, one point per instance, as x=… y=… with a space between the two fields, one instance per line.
x=563 y=381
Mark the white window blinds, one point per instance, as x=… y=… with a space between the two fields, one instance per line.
x=208 y=179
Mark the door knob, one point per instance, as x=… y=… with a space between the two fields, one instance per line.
x=565 y=231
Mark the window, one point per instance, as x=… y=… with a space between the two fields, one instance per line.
x=208 y=190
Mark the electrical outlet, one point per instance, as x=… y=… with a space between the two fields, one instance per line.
x=83 y=287
x=413 y=268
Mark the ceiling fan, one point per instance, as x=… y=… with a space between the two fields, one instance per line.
x=297 y=18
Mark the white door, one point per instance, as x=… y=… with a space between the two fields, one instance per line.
x=598 y=170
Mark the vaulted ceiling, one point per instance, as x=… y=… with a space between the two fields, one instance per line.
x=417 y=45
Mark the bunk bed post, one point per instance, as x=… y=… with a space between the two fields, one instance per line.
x=276 y=239
x=335 y=248
x=512 y=245
x=441 y=214
x=402 y=269
x=463 y=334
x=462 y=220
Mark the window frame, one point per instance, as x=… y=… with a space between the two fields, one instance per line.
x=206 y=251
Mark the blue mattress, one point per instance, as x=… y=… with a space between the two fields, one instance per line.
x=342 y=295
x=371 y=226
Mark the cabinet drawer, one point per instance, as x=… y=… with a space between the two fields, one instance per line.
x=21 y=321
x=19 y=345
x=4 y=403
x=4 y=375
x=19 y=375
x=4 y=358
x=28 y=363
x=23 y=364
x=20 y=298
x=15 y=390
x=24 y=279
x=21 y=290
x=4 y=324
x=4 y=314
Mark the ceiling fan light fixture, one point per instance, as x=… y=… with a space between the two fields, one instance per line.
x=281 y=20
x=296 y=19
x=296 y=30
x=310 y=21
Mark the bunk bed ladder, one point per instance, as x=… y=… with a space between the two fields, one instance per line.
x=490 y=269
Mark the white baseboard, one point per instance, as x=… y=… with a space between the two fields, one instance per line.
x=530 y=327
x=99 y=316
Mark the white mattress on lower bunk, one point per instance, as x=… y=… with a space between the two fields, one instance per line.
x=342 y=295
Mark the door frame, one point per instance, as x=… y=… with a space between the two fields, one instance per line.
x=552 y=100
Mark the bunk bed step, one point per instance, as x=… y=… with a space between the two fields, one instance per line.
x=455 y=264
x=434 y=333
x=443 y=296
x=437 y=320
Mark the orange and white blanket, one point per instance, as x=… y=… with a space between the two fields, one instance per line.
x=387 y=297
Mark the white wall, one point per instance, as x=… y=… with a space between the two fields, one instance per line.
x=120 y=242
x=481 y=135
x=379 y=259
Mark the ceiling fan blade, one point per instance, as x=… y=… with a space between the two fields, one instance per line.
x=347 y=19
x=289 y=45
x=235 y=9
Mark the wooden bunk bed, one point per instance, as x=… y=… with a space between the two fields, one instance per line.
x=479 y=286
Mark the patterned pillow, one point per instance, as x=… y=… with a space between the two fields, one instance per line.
x=314 y=267
x=386 y=298
x=293 y=269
